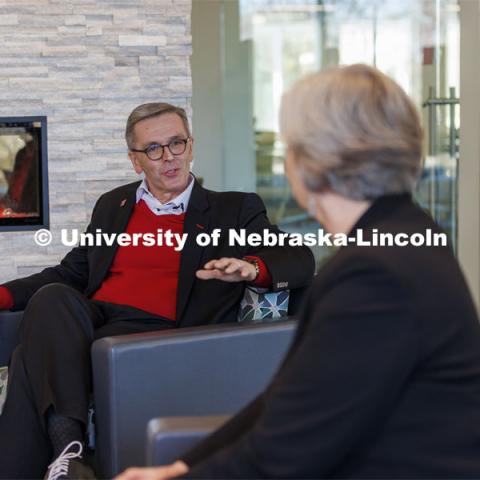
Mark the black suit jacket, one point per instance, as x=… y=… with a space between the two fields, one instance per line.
x=198 y=301
x=382 y=379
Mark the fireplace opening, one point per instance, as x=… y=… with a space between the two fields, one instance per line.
x=23 y=173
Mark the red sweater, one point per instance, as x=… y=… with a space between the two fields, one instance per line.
x=145 y=277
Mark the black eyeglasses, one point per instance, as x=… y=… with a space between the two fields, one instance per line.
x=155 y=151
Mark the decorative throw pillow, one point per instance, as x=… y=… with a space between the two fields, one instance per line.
x=3 y=386
x=260 y=304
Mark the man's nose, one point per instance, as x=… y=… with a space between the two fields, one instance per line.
x=167 y=155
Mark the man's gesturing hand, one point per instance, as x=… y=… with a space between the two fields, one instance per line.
x=228 y=270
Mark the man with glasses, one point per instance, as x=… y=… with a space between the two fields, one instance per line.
x=98 y=291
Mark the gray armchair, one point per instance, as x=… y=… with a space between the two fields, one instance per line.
x=212 y=370
x=209 y=370
x=169 y=437
x=9 y=334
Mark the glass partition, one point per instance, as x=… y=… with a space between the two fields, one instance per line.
x=414 y=41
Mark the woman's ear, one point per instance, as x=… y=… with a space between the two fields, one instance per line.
x=320 y=213
x=312 y=206
x=295 y=177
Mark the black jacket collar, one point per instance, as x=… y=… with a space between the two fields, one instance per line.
x=382 y=207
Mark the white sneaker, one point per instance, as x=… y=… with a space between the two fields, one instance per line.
x=68 y=466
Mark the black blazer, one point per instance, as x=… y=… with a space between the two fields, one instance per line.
x=382 y=379
x=198 y=301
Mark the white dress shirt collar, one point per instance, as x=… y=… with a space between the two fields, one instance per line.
x=176 y=206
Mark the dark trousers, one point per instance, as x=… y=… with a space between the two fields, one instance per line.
x=52 y=367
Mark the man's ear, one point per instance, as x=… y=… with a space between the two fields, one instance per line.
x=191 y=152
x=136 y=165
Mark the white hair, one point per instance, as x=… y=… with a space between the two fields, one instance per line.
x=354 y=131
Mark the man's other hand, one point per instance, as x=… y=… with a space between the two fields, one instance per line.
x=6 y=299
x=228 y=270
x=154 y=473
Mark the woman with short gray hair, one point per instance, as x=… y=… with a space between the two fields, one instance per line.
x=383 y=377
x=353 y=131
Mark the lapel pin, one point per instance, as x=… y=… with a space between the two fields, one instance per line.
x=200 y=226
x=123 y=202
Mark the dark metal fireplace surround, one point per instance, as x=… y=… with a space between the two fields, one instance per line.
x=23 y=173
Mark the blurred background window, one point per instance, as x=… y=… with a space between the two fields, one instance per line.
x=266 y=45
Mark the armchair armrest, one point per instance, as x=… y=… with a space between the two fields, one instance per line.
x=9 y=334
x=169 y=437
x=210 y=370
